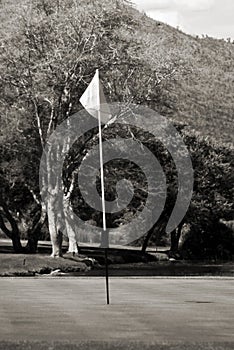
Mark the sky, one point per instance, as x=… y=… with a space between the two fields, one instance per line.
x=212 y=17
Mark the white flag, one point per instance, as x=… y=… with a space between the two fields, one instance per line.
x=93 y=100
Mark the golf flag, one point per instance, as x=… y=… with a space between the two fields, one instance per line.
x=94 y=101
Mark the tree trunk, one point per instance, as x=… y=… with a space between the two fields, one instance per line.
x=174 y=241
x=175 y=237
x=52 y=182
x=33 y=233
x=54 y=229
x=147 y=238
x=159 y=227
x=17 y=246
x=14 y=233
x=70 y=229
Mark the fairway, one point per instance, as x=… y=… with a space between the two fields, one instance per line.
x=142 y=309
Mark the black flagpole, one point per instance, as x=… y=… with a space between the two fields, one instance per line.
x=107 y=277
x=105 y=245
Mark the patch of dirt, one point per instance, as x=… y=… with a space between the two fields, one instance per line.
x=33 y=264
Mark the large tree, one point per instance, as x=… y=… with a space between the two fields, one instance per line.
x=49 y=59
x=50 y=52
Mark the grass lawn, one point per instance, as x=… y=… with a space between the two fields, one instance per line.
x=26 y=345
x=144 y=313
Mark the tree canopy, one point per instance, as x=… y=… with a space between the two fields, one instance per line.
x=50 y=50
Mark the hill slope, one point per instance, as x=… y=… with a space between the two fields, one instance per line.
x=199 y=95
x=202 y=94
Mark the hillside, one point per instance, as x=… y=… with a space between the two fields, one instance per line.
x=199 y=93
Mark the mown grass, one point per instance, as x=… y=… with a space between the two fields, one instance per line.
x=26 y=345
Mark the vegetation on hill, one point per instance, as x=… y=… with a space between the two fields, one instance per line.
x=50 y=53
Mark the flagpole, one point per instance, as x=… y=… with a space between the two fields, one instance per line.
x=104 y=238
